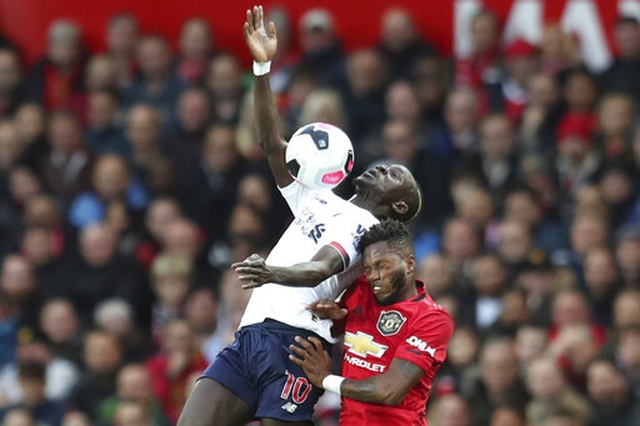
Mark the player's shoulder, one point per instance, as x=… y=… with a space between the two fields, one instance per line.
x=429 y=308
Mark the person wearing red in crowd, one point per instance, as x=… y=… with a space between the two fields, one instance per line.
x=395 y=336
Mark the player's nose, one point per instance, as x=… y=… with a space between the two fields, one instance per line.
x=382 y=168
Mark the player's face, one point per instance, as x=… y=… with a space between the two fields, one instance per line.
x=388 y=271
x=388 y=181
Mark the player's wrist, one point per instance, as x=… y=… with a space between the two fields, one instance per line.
x=261 y=68
x=332 y=383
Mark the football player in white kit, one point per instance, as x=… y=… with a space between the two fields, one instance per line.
x=253 y=378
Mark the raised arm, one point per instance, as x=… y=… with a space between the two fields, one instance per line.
x=388 y=388
x=263 y=46
x=254 y=272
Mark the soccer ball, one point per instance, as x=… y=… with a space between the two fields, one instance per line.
x=319 y=155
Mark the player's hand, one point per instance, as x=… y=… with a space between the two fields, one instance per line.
x=311 y=356
x=252 y=272
x=327 y=309
x=261 y=43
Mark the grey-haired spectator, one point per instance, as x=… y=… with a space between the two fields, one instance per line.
x=196 y=48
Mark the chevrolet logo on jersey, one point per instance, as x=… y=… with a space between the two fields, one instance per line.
x=362 y=344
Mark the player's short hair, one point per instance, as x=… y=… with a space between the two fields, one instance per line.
x=391 y=231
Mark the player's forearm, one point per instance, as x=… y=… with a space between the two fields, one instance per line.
x=307 y=274
x=374 y=390
x=267 y=118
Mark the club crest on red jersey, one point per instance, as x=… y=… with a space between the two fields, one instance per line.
x=389 y=323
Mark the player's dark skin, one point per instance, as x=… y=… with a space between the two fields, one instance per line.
x=383 y=190
x=390 y=273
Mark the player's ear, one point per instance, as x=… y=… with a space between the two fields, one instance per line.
x=411 y=264
x=400 y=207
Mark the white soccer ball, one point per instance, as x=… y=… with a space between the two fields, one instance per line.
x=319 y=155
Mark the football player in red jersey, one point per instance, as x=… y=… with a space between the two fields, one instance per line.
x=395 y=336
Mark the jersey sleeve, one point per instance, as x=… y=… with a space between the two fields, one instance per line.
x=426 y=342
x=295 y=194
x=345 y=231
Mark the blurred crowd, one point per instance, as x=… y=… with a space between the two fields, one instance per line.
x=130 y=181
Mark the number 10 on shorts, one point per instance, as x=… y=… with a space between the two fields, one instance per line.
x=296 y=387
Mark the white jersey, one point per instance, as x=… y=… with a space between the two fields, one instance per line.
x=321 y=218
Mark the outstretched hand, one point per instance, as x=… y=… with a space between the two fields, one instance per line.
x=261 y=43
x=311 y=356
x=327 y=309
x=253 y=271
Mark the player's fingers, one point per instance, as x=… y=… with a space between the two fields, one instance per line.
x=301 y=353
x=250 y=285
x=341 y=313
x=317 y=344
x=272 y=29
x=256 y=17
x=299 y=362
x=303 y=342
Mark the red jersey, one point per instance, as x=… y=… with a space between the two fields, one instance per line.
x=415 y=330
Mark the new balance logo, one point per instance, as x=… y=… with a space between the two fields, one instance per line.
x=289 y=407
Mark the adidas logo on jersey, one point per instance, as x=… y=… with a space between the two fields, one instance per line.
x=289 y=407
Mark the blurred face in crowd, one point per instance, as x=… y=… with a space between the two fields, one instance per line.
x=111 y=177
x=606 y=385
x=530 y=343
x=182 y=237
x=627 y=39
x=570 y=307
x=543 y=90
x=131 y=413
x=102 y=110
x=461 y=111
x=160 y=214
x=220 y=151
x=101 y=73
x=508 y=416
x=193 y=110
x=59 y=321
x=489 y=275
x=628 y=258
x=616 y=115
x=476 y=207
x=484 y=32
x=316 y=39
x=246 y=230
x=580 y=92
x=224 y=79
x=10 y=146
x=626 y=309
x=600 y=271
x=438 y=272
x=617 y=186
x=463 y=348
x=64 y=45
x=195 y=39
x=16 y=279
x=589 y=201
x=401 y=102
x=522 y=206
x=18 y=417
x=399 y=142
x=451 y=410
x=23 y=184
x=514 y=241
x=201 y=311
x=37 y=246
x=41 y=211
x=102 y=353
x=172 y=289
x=460 y=242
x=29 y=120
x=398 y=31
x=366 y=71
x=498 y=367
x=253 y=190
x=496 y=137
x=97 y=245
x=9 y=71
x=544 y=379
x=178 y=337
x=587 y=232
x=134 y=383
x=75 y=418
x=65 y=133
x=122 y=34
x=154 y=57
x=143 y=127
